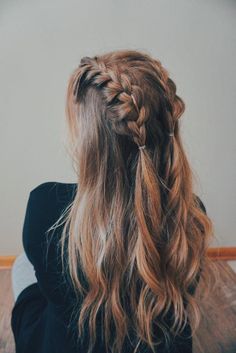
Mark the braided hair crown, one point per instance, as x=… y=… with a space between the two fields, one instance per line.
x=126 y=94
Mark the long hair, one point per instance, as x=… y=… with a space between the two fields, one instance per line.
x=135 y=228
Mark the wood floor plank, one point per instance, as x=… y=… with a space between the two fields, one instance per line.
x=217 y=330
x=6 y=303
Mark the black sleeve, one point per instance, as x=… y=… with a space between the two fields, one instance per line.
x=38 y=218
x=201 y=204
x=42 y=210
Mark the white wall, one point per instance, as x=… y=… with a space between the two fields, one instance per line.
x=41 y=42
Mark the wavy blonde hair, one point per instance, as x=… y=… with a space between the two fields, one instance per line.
x=135 y=229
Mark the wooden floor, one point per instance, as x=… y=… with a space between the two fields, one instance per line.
x=6 y=303
x=216 y=334
x=217 y=331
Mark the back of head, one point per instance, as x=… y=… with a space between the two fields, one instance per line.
x=135 y=228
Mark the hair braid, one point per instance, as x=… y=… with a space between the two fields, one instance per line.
x=116 y=87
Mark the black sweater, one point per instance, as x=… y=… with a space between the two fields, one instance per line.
x=42 y=320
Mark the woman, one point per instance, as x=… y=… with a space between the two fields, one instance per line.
x=119 y=271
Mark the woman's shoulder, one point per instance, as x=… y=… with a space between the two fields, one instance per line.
x=46 y=203
x=53 y=190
